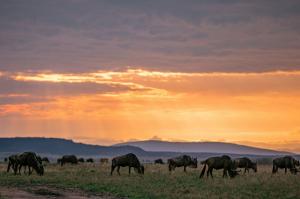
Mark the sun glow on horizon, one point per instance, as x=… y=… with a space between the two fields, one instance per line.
x=246 y=108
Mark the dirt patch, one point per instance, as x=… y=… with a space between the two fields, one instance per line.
x=47 y=192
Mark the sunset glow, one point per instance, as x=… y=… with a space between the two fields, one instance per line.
x=248 y=108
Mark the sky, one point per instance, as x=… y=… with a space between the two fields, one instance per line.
x=104 y=72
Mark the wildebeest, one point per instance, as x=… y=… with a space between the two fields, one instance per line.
x=182 y=161
x=45 y=159
x=68 y=159
x=91 y=160
x=104 y=160
x=5 y=159
x=245 y=163
x=30 y=160
x=286 y=162
x=39 y=159
x=224 y=162
x=12 y=163
x=128 y=160
x=80 y=159
x=159 y=161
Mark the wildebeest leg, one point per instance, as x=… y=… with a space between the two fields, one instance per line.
x=274 y=169
x=184 y=168
x=245 y=170
x=8 y=166
x=210 y=171
x=18 y=169
x=285 y=169
x=30 y=170
x=118 y=170
x=112 y=169
x=129 y=170
x=225 y=173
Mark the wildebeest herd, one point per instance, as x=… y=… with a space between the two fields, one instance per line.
x=230 y=166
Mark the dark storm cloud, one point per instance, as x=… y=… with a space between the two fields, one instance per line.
x=168 y=35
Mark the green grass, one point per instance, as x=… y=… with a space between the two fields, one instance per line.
x=158 y=183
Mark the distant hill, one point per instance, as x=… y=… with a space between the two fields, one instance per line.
x=57 y=146
x=146 y=150
x=201 y=147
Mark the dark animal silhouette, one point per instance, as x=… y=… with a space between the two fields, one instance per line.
x=91 y=160
x=12 y=163
x=128 y=160
x=40 y=160
x=45 y=159
x=245 y=163
x=286 y=162
x=159 y=161
x=224 y=162
x=5 y=159
x=30 y=160
x=68 y=159
x=58 y=160
x=182 y=161
x=81 y=160
x=104 y=160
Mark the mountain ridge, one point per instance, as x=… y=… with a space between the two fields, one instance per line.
x=58 y=146
x=201 y=147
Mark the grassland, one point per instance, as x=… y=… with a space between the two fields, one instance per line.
x=159 y=183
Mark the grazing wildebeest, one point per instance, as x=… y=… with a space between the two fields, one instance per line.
x=30 y=160
x=91 y=160
x=68 y=159
x=81 y=160
x=104 y=160
x=182 y=161
x=159 y=161
x=224 y=162
x=286 y=162
x=45 y=159
x=39 y=159
x=128 y=160
x=245 y=163
x=12 y=163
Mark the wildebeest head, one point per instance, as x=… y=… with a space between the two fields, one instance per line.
x=40 y=170
x=254 y=167
x=194 y=163
x=140 y=169
x=233 y=172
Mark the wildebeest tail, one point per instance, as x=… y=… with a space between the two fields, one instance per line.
x=203 y=170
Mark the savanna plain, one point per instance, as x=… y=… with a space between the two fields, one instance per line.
x=94 y=181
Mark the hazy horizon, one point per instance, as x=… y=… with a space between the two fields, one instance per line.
x=109 y=71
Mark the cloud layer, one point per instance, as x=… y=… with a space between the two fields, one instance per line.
x=194 y=36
